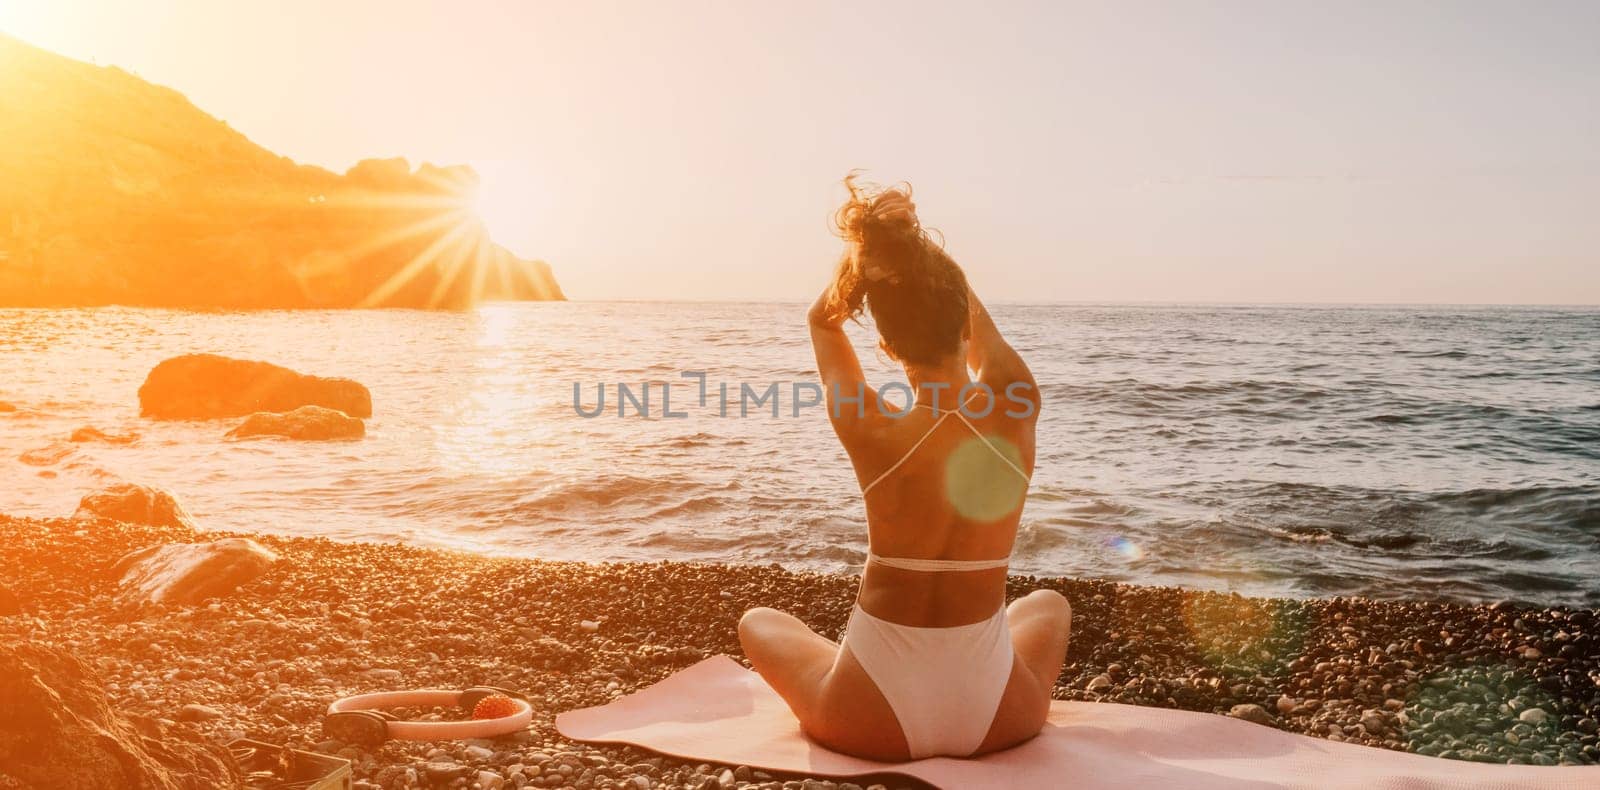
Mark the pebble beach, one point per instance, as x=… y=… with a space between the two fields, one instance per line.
x=1502 y=683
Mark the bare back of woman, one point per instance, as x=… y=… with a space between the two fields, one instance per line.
x=933 y=662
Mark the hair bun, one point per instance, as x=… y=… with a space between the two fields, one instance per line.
x=873 y=211
x=917 y=295
x=882 y=227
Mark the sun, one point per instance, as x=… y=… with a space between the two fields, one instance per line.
x=467 y=229
x=508 y=203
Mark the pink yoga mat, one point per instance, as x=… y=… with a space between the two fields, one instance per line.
x=718 y=711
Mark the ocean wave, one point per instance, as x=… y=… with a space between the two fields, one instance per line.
x=703 y=439
x=1247 y=398
x=1393 y=419
x=1449 y=354
x=48 y=455
x=612 y=493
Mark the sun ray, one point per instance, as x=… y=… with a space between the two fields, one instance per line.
x=480 y=268
x=453 y=261
x=406 y=232
x=403 y=200
x=448 y=265
x=410 y=271
x=502 y=272
x=439 y=210
x=520 y=275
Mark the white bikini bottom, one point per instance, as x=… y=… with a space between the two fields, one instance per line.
x=943 y=684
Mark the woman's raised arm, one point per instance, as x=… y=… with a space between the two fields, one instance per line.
x=992 y=359
x=844 y=385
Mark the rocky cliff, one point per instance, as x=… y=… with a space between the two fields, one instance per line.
x=117 y=191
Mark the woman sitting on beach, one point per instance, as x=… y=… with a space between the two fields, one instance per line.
x=932 y=662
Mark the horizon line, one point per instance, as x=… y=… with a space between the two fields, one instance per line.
x=1104 y=302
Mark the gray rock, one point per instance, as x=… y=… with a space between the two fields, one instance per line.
x=187 y=573
x=1533 y=716
x=61 y=729
x=1250 y=712
x=135 y=504
x=197 y=712
x=207 y=386
x=1374 y=722
x=307 y=423
x=443 y=771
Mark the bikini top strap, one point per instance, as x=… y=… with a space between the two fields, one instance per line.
x=907 y=456
x=925 y=435
x=998 y=454
x=975 y=432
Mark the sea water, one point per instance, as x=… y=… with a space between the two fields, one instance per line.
x=1442 y=452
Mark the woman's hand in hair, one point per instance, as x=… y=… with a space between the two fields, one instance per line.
x=894 y=206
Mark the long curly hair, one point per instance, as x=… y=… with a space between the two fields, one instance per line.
x=893 y=268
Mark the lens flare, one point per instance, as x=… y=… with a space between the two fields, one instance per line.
x=980 y=486
x=1244 y=636
x=1129 y=550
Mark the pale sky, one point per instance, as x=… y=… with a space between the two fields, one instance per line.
x=1179 y=151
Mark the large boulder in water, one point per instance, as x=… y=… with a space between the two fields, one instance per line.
x=306 y=422
x=188 y=573
x=207 y=386
x=135 y=504
x=58 y=730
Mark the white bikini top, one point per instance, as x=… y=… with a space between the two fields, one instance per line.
x=940 y=566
